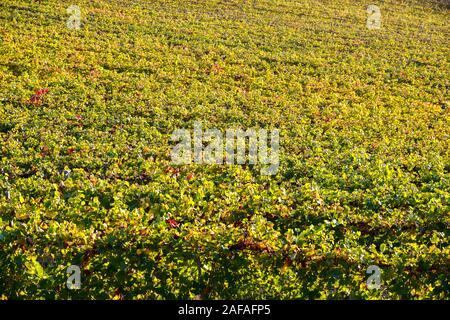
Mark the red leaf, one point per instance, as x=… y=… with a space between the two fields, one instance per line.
x=41 y=92
x=35 y=100
x=172 y=223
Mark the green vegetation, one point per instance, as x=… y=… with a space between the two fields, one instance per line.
x=85 y=171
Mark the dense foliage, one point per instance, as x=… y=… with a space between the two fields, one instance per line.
x=85 y=170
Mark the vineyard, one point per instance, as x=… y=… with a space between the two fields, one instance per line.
x=93 y=206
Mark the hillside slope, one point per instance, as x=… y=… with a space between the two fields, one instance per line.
x=86 y=175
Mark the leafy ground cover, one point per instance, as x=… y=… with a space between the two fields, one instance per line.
x=86 y=176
